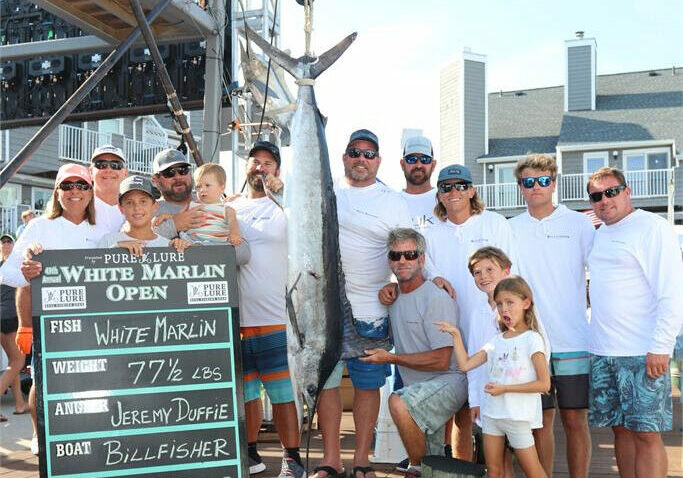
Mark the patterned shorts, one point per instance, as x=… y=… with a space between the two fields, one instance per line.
x=621 y=394
x=264 y=361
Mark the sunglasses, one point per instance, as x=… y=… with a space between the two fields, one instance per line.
x=80 y=185
x=414 y=158
x=171 y=172
x=356 y=152
x=445 y=188
x=6 y=241
x=609 y=192
x=104 y=164
x=543 y=181
x=395 y=256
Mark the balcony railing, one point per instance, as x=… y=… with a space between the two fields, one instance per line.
x=644 y=184
x=9 y=219
x=500 y=196
x=77 y=144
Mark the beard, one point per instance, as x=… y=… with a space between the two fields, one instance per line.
x=255 y=181
x=417 y=177
x=177 y=196
x=357 y=174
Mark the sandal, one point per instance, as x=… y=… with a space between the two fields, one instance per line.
x=3 y=418
x=362 y=469
x=331 y=472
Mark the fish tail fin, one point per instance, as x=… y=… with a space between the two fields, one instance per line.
x=278 y=56
x=330 y=56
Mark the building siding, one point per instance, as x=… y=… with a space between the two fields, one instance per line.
x=579 y=78
x=44 y=159
x=449 y=112
x=475 y=115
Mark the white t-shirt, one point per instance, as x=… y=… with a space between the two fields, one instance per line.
x=449 y=247
x=508 y=362
x=107 y=216
x=553 y=253
x=262 y=280
x=421 y=207
x=113 y=238
x=52 y=234
x=636 y=287
x=483 y=328
x=366 y=215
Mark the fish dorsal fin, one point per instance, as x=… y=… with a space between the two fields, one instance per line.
x=330 y=56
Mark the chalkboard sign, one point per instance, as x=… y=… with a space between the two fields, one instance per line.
x=138 y=364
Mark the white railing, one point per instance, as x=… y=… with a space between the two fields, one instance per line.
x=8 y=219
x=644 y=184
x=500 y=196
x=77 y=144
x=139 y=155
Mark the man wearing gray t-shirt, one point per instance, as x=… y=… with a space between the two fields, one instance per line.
x=434 y=389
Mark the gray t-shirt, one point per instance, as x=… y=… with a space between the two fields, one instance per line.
x=113 y=238
x=412 y=324
x=167 y=228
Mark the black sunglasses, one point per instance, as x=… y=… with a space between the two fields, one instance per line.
x=543 y=181
x=609 y=192
x=171 y=172
x=356 y=152
x=6 y=241
x=445 y=188
x=104 y=164
x=80 y=185
x=414 y=158
x=395 y=256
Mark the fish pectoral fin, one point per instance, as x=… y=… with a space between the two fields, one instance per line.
x=291 y=313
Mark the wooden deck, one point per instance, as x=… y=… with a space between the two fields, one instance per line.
x=16 y=461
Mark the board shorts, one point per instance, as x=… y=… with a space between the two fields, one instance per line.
x=9 y=325
x=264 y=361
x=568 y=381
x=364 y=376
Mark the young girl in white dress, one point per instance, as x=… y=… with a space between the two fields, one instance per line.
x=517 y=375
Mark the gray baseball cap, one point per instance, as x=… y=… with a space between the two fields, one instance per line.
x=138 y=183
x=364 y=135
x=418 y=145
x=167 y=158
x=108 y=149
x=455 y=171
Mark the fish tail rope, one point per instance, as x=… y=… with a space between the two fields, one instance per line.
x=305 y=81
x=308 y=24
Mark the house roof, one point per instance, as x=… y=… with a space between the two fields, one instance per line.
x=633 y=106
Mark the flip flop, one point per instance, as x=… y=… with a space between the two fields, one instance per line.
x=20 y=413
x=331 y=472
x=3 y=418
x=362 y=469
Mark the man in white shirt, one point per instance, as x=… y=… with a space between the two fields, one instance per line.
x=553 y=243
x=367 y=210
x=262 y=283
x=108 y=169
x=637 y=308
x=418 y=164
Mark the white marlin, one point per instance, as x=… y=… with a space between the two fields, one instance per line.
x=316 y=297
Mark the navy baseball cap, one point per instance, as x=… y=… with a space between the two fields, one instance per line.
x=269 y=147
x=455 y=171
x=364 y=135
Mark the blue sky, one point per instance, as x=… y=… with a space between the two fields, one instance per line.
x=389 y=78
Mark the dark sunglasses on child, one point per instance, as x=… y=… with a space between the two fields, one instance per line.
x=543 y=181
x=445 y=188
x=609 y=192
x=414 y=158
x=171 y=172
x=395 y=256
x=104 y=164
x=80 y=185
x=356 y=152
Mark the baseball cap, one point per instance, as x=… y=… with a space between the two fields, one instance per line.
x=70 y=170
x=418 y=145
x=266 y=146
x=138 y=183
x=166 y=158
x=364 y=135
x=455 y=171
x=108 y=149
x=6 y=235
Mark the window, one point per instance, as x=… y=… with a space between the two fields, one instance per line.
x=10 y=195
x=39 y=198
x=594 y=161
x=647 y=171
x=113 y=126
x=507 y=192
